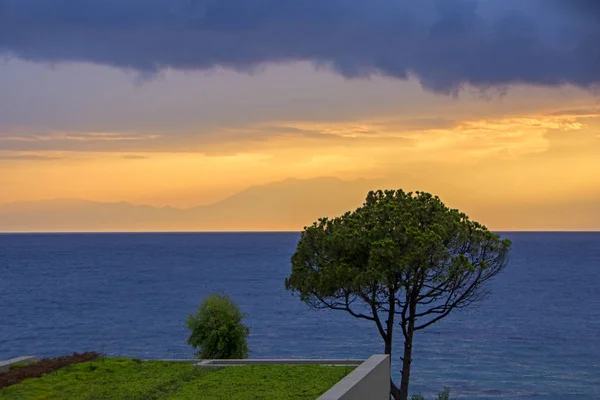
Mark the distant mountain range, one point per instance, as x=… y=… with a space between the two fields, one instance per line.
x=279 y=206
x=285 y=205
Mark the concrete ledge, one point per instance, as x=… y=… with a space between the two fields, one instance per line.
x=279 y=361
x=5 y=365
x=370 y=380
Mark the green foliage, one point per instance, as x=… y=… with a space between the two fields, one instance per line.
x=396 y=243
x=107 y=379
x=18 y=365
x=116 y=379
x=443 y=395
x=402 y=258
x=217 y=330
x=281 y=382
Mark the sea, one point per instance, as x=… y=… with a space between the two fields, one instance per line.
x=537 y=336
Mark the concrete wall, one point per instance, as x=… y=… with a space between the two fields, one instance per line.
x=370 y=380
x=279 y=361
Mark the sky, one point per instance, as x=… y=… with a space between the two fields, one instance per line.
x=187 y=102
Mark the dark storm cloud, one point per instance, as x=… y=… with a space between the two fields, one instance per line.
x=445 y=43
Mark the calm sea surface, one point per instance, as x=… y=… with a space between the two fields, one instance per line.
x=537 y=336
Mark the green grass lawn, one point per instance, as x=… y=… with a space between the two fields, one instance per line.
x=126 y=379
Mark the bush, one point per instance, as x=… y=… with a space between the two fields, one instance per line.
x=217 y=330
x=443 y=395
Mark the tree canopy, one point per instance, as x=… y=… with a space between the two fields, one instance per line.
x=217 y=329
x=402 y=258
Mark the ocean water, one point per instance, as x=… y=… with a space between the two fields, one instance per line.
x=536 y=337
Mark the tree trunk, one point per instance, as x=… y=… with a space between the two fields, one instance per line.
x=388 y=346
x=394 y=391
x=406 y=361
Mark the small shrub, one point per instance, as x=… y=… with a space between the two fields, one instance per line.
x=217 y=330
x=443 y=395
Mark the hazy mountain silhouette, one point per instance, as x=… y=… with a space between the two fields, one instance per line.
x=285 y=205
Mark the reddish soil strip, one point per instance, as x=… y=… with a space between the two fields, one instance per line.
x=43 y=367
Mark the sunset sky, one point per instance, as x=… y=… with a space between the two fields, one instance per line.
x=184 y=103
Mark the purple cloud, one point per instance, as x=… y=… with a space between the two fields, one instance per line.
x=444 y=43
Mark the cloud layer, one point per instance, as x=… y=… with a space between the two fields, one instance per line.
x=444 y=43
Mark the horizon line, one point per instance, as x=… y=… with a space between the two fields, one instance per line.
x=256 y=231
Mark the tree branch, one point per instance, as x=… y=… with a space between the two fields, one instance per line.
x=342 y=306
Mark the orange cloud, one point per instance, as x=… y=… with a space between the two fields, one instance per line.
x=538 y=158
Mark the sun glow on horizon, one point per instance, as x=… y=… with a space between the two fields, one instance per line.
x=173 y=147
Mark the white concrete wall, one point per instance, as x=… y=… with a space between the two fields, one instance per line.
x=369 y=381
x=279 y=361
